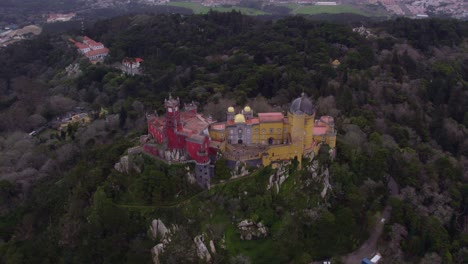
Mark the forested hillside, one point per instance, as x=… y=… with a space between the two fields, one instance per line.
x=399 y=98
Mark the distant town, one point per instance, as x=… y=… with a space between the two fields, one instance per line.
x=11 y=33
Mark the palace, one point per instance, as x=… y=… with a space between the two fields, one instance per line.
x=272 y=137
x=257 y=140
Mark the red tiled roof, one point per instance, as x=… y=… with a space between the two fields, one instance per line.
x=193 y=122
x=132 y=60
x=271 y=117
x=80 y=45
x=92 y=42
x=253 y=121
x=219 y=126
x=92 y=53
x=319 y=131
x=326 y=119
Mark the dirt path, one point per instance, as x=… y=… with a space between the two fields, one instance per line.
x=370 y=246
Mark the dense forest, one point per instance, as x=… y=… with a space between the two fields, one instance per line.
x=400 y=101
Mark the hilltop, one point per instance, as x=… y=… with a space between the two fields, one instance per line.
x=397 y=90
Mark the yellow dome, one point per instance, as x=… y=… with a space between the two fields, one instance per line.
x=247 y=109
x=239 y=118
x=231 y=109
x=336 y=63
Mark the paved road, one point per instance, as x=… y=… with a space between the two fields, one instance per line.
x=370 y=246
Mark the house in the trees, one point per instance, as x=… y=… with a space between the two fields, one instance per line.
x=93 y=50
x=132 y=65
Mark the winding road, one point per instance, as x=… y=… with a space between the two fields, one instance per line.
x=370 y=246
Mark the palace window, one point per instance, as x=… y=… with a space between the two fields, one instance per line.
x=279 y=130
x=271 y=130
x=263 y=131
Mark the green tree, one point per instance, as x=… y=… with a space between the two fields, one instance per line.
x=122 y=116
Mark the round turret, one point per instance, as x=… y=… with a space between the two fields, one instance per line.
x=239 y=118
x=230 y=109
x=302 y=105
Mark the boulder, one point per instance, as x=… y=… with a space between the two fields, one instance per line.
x=127 y=164
x=156 y=251
x=190 y=175
x=202 y=250
x=123 y=165
x=212 y=247
x=326 y=183
x=249 y=230
x=163 y=234
x=158 y=229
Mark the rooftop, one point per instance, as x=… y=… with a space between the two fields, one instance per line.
x=194 y=122
x=302 y=105
x=270 y=117
x=92 y=53
x=319 y=131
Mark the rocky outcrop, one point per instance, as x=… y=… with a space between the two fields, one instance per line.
x=326 y=182
x=127 y=163
x=73 y=70
x=277 y=179
x=156 y=251
x=363 y=31
x=190 y=175
x=239 y=170
x=163 y=234
x=123 y=165
x=332 y=153
x=212 y=247
x=250 y=230
x=158 y=229
x=202 y=250
x=317 y=176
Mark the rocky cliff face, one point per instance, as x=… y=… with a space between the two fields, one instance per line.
x=130 y=162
